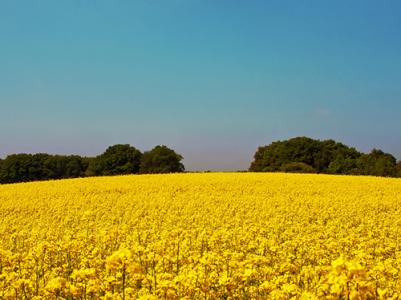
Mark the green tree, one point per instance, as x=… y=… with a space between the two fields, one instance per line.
x=117 y=159
x=75 y=167
x=40 y=166
x=317 y=154
x=297 y=167
x=61 y=166
x=18 y=168
x=161 y=159
x=1 y=171
x=377 y=163
x=398 y=169
x=277 y=154
x=331 y=151
x=343 y=165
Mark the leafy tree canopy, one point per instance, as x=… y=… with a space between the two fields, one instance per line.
x=117 y=159
x=29 y=167
x=161 y=159
x=398 y=169
x=377 y=163
x=297 y=167
x=303 y=154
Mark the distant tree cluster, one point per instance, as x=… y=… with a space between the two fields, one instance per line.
x=306 y=155
x=161 y=160
x=116 y=160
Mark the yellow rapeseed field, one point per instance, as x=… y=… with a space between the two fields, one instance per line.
x=202 y=236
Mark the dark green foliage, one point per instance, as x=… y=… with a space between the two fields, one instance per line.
x=60 y=166
x=397 y=168
x=41 y=166
x=315 y=153
x=329 y=151
x=297 y=167
x=302 y=154
x=343 y=165
x=17 y=167
x=161 y=159
x=117 y=159
x=377 y=163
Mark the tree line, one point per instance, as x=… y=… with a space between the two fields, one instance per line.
x=300 y=155
x=116 y=160
x=306 y=155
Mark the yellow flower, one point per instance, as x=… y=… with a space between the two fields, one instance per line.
x=197 y=236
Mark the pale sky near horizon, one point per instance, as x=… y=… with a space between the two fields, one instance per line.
x=211 y=79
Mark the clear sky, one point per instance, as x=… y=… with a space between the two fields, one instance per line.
x=211 y=79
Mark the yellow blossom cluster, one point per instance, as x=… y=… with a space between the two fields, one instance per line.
x=202 y=236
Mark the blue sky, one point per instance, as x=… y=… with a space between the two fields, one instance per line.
x=211 y=79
